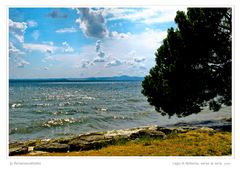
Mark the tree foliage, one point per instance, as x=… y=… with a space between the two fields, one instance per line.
x=193 y=65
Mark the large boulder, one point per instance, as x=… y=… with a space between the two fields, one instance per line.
x=18 y=151
x=80 y=144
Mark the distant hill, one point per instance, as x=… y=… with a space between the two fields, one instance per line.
x=90 y=79
x=116 y=78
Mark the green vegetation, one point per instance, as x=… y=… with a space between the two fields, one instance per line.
x=193 y=65
x=191 y=143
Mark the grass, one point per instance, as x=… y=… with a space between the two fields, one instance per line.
x=192 y=143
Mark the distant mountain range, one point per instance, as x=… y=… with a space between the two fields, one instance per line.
x=90 y=79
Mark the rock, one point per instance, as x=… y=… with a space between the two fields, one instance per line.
x=92 y=137
x=61 y=140
x=76 y=144
x=18 y=151
x=52 y=147
x=165 y=130
x=205 y=129
x=121 y=132
x=223 y=128
x=148 y=133
x=181 y=130
x=16 y=144
x=96 y=140
x=30 y=148
x=31 y=143
x=96 y=144
x=80 y=145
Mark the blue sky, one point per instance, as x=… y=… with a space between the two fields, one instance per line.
x=85 y=42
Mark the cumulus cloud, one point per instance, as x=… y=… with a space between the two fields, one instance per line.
x=92 y=23
x=133 y=59
x=100 y=54
x=15 y=56
x=32 y=23
x=44 y=48
x=17 y=29
x=14 y=50
x=114 y=62
x=66 y=30
x=57 y=14
x=99 y=51
x=22 y=63
x=118 y=55
x=84 y=65
x=48 y=42
x=142 y=67
x=49 y=51
x=67 y=48
x=139 y=59
x=98 y=45
x=98 y=59
x=115 y=34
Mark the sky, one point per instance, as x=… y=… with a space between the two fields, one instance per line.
x=86 y=42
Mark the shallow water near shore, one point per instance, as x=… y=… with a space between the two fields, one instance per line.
x=57 y=109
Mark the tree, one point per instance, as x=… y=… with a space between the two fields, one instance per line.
x=193 y=65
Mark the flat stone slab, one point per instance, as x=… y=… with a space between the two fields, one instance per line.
x=18 y=151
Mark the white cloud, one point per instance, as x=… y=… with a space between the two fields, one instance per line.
x=48 y=42
x=112 y=13
x=142 y=67
x=57 y=14
x=92 y=23
x=100 y=54
x=119 y=55
x=32 y=23
x=115 y=34
x=67 y=48
x=137 y=47
x=22 y=63
x=14 y=50
x=84 y=65
x=49 y=51
x=35 y=34
x=66 y=30
x=17 y=29
x=98 y=45
x=139 y=59
x=98 y=60
x=15 y=55
x=44 y=48
x=137 y=52
x=144 y=15
x=115 y=62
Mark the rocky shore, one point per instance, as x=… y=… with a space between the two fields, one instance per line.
x=98 y=140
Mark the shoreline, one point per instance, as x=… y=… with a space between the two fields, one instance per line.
x=99 y=140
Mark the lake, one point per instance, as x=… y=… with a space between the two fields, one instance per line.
x=39 y=109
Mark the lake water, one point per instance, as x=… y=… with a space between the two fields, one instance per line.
x=56 y=109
